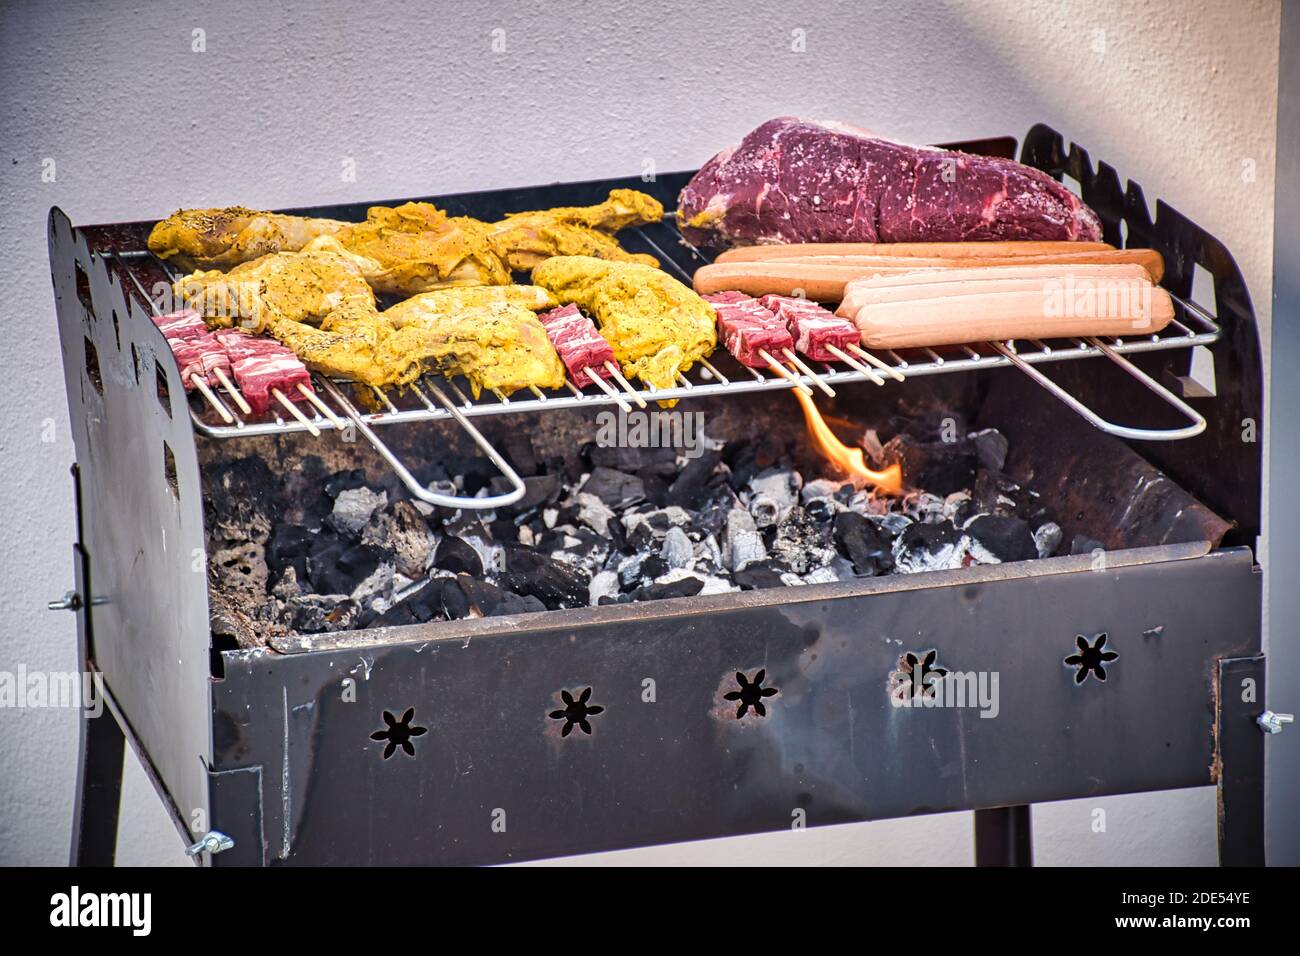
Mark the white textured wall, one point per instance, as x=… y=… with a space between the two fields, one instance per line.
x=1179 y=95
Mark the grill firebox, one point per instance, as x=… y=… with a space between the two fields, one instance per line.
x=548 y=734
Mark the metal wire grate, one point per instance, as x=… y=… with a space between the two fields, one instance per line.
x=217 y=414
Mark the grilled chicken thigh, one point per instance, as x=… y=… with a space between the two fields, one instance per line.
x=411 y=248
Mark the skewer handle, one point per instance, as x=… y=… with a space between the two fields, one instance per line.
x=783 y=372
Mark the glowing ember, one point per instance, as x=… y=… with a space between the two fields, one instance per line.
x=849 y=460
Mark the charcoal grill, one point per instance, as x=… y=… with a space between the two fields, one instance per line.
x=265 y=755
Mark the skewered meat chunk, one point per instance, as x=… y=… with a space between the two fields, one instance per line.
x=746 y=328
x=198 y=357
x=581 y=348
x=813 y=327
x=262 y=366
x=656 y=326
x=411 y=248
x=181 y=325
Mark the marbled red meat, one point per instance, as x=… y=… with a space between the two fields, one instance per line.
x=198 y=357
x=261 y=366
x=813 y=327
x=181 y=325
x=747 y=328
x=581 y=348
x=795 y=180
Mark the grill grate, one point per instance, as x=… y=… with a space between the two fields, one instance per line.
x=216 y=414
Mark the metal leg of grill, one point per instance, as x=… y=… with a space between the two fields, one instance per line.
x=1004 y=837
x=1239 y=703
x=99 y=791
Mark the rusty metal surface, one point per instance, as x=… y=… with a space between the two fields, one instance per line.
x=493 y=778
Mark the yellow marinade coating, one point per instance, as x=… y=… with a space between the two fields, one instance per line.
x=656 y=326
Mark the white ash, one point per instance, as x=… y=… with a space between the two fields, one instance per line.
x=712 y=584
x=604 y=584
x=594 y=513
x=742 y=544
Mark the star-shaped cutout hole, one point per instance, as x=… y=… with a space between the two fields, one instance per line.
x=1091 y=658
x=751 y=694
x=399 y=733
x=576 y=712
x=919 y=673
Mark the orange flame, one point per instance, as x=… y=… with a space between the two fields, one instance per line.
x=849 y=460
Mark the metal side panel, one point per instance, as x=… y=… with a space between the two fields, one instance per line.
x=491 y=775
x=142 y=518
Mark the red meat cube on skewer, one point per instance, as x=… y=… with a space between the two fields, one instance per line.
x=581 y=348
x=813 y=327
x=262 y=366
x=747 y=328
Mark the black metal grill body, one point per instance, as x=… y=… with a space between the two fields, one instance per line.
x=276 y=748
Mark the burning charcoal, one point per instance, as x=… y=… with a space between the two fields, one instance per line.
x=354 y=506
x=998 y=494
x=691 y=487
x=990 y=448
x=377 y=585
x=639 y=569
x=756 y=576
x=314 y=613
x=939 y=467
x=959 y=508
x=470 y=529
x=646 y=528
x=710 y=583
x=708 y=555
x=780 y=487
x=746 y=461
x=1047 y=538
x=677 y=549
x=288 y=586
x=483 y=599
x=801 y=543
x=837 y=570
x=824 y=488
x=584 y=548
x=711 y=517
x=688 y=586
x=743 y=545
x=893 y=524
x=615 y=488
x=402 y=529
x=605 y=584
x=539 y=490
x=335 y=567
x=342 y=481
x=1082 y=544
x=925 y=507
x=593 y=513
x=458 y=556
x=656 y=488
x=518 y=449
x=473 y=473
x=557 y=584
x=929 y=547
x=765 y=510
x=864 y=543
x=823 y=510
x=997 y=539
x=659 y=461
x=421 y=605
x=288 y=549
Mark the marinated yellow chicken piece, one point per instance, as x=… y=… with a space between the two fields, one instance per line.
x=222 y=238
x=489 y=335
x=297 y=286
x=656 y=326
x=419 y=247
x=427 y=305
x=410 y=248
x=526 y=238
